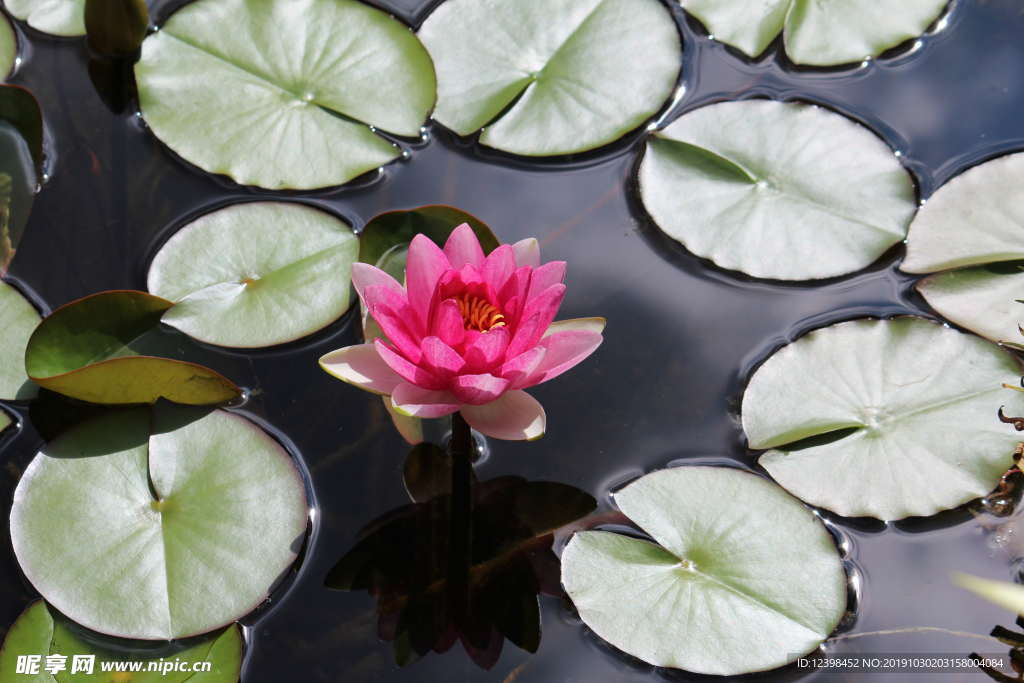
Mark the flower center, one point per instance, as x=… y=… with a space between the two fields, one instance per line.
x=478 y=314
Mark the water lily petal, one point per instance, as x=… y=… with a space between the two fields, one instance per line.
x=414 y=401
x=463 y=247
x=513 y=291
x=551 y=273
x=519 y=370
x=364 y=276
x=447 y=323
x=516 y=416
x=424 y=266
x=363 y=367
x=564 y=350
x=536 y=317
x=485 y=350
x=527 y=252
x=406 y=370
x=592 y=324
x=478 y=389
x=441 y=359
x=393 y=317
x=499 y=266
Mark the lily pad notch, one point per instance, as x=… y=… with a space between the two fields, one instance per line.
x=285 y=94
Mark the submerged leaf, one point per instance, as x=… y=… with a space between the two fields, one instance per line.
x=18 y=318
x=912 y=402
x=37 y=632
x=551 y=77
x=817 y=33
x=776 y=190
x=284 y=93
x=187 y=528
x=256 y=274
x=57 y=17
x=741 y=576
x=87 y=350
x=115 y=28
x=971 y=233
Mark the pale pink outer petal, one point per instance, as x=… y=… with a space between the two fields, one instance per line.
x=516 y=416
x=364 y=275
x=424 y=266
x=363 y=367
x=564 y=350
x=411 y=428
x=590 y=324
x=527 y=252
x=463 y=247
x=413 y=401
x=478 y=389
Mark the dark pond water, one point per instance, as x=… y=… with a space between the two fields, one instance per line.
x=663 y=389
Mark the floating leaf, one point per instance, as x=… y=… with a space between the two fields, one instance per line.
x=57 y=17
x=741 y=576
x=1002 y=593
x=550 y=77
x=155 y=532
x=284 y=93
x=256 y=274
x=116 y=28
x=8 y=47
x=884 y=418
x=21 y=162
x=388 y=230
x=5 y=420
x=18 y=318
x=86 y=350
x=970 y=233
x=431 y=591
x=817 y=33
x=37 y=632
x=776 y=190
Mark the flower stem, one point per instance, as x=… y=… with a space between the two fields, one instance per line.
x=460 y=448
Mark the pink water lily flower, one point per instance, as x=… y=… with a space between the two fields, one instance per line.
x=467 y=333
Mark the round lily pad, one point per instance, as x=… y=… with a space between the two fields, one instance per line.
x=155 y=532
x=18 y=319
x=741 y=577
x=817 y=33
x=550 y=77
x=884 y=418
x=256 y=274
x=37 y=632
x=56 y=17
x=776 y=190
x=284 y=93
x=971 y=233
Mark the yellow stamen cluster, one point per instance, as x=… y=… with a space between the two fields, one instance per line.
x=478 y=314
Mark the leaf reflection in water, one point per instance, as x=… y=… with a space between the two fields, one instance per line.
x=430 y=591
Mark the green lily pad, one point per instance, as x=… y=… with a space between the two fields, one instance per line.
x=5 y=420
x=256 y=274
x=56 y=17
x=21 y=163
x=8 y=47
x=18 y=318
x=146 y=531
x=86 y=350
x=776 y=190
x=740 y=577
x=884 y=418
x=37 y=632
x=116 y=28
x=283 y=95
x=817 y=33
x=384 y=232
x=551 y=77
x=971 y=233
